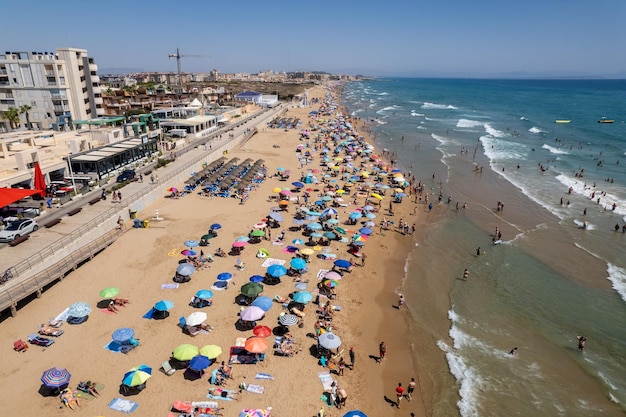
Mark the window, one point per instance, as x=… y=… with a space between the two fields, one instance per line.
x=36 y=116
x=33 y=104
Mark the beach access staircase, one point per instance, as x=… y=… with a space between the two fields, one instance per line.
x=56 y=260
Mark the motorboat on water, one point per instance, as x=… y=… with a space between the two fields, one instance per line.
x=562 y=121
x=605 y=120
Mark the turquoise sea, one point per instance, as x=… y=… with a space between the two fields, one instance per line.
x=560 y=270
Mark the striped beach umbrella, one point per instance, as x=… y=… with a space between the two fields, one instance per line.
x=137 y=376
x=56 y=377
x=288 y=320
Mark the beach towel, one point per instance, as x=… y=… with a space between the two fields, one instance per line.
x=149 y=314
x=257 y=389
x=125 y=406
x=219 y=397
x=107 y=311
x=326 y=379
x=271 y=261
x=169 y=286
x=278 y=242
x=87 y=396
x=263 y=376
x=113 y=346
x=204 y=404
x=321 y=273
x=255 y=412
x=241 y=341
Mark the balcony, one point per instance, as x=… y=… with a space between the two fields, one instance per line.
x=97 y=90
x=93 y=67
x=95 y=79
x=61 y=108
x=97 y=100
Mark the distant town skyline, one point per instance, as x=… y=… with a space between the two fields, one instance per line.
x=456 y=38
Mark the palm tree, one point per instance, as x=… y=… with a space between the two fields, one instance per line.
x=12 y=115
x=24 y=110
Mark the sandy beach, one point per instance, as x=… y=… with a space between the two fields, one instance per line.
x=142 y=260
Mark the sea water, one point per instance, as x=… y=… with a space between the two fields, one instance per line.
x=560 y=270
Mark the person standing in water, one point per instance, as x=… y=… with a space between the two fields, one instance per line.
x=581 y=342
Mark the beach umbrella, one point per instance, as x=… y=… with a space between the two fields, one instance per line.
x=298 y=222
x=368 y=208
x=252 y=313
x=260 y=225
x=370 y=215
x=123 y=334
x=330 y=283
x=224 y=276
x=330 y=235
x=242 y=239
x=261 y=331
x=251 y=289
x=288 y=320
x=365 y=231
x=185 y=352
x=342 y=263
x=257 y=233
x=239 y=244
x=283 y=203
x=332 y=221
x=297 y=263
x=207 y=237
x=314 y=226
x=327 y=199
x=216 y=226
x=185 y=269
x=320 y=203
x=256 y=344
x=297 y=184
x=109 y=292
x=79 y=309
x=302 y=297
x=280 y=169
x=163 y=305
x=301 y=286
x=56 y=377
x=196 y=318
x=307 y=251
x=191 y=243
x=329 y=211
x=199 y=362
x=297 y=241
x=137 y=376
x=210 y=351
x=329 y=340
x=263 y=302
x=172 y=190
x=276 y=216
x=285 y=192
x=340 y=230
x=360 y=238
x=369 y=224
x=276 y=271
x=355 y=215
x=188 y=252
x=355 y=413
x=276 y=190
x=204 y=294
x=377 y=196
x=256 y=278
x=332 y=275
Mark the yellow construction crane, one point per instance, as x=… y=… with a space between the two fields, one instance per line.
x=178 y=56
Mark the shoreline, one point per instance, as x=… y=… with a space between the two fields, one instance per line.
x=143 y=259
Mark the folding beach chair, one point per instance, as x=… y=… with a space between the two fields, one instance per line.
x=167 y=368
x=20 y=346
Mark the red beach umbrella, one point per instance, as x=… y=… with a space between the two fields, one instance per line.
x=262 y=331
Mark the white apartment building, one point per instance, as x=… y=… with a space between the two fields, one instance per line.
x=58 y=86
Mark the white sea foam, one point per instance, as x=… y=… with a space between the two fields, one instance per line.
x=554 y=150
x=422 y=127
x=617 y=276
x=606 y=201
x=493 y=131
x=415 y=114
x=386 y=109
x=523 y=118
x=380 y=122
x=584 y=225
x=434 y=106
x=468 y=124
x=536 y=130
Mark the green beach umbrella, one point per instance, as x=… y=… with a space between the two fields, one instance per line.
x=109 y=292
x=258 y=233
x=211 y=351
x=185 y=352
x=251 y=289
x=340 y=230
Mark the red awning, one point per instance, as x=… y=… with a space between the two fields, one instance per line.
x=11 y=195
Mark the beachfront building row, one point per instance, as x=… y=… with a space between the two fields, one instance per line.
x=48 y=89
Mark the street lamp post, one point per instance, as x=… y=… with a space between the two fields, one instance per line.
x=69 y=162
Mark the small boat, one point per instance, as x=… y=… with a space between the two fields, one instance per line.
x=562 y=121
x=605 y=120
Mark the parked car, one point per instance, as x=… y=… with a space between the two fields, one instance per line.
x=126 y=175
x=18 y=228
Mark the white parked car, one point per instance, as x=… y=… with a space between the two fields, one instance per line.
x=18 y=228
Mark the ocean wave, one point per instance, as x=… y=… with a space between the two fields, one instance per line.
x=607 y=199
x=440 y=139
x=494 y=132
x=380 y=122
x=468 y=124
x=388 y=108
x=617 y=276
x=584 y=225
x=536 y=130
x=422 y=127
x=554 y=150
x=415 y=114
x=435 y=106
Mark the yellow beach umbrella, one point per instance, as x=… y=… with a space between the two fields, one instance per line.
x=398 y=190
x=276 y=190
x=340 y=192
x=397 y=174
x=211 y=351
x=377 y=196
x=307 y=251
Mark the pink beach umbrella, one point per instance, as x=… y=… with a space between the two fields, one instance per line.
x=239 y=244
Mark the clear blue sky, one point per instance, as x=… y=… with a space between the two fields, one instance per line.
x=399 y=38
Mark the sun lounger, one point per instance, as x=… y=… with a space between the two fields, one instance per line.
x=40 y=341
x=167 y=368
x=48 y=331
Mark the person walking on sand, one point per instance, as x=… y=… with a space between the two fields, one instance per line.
x=400 y=301
x=399 y=394
x=352 y=355
x=382 y=350
x=410 y=389
x=465 y=274
x=363 y=258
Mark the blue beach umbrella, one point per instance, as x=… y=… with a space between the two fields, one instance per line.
x=330 y=235
x=242 y=239
x=316 y=235
x=123 y=334
x=313 y=213
x=355 y=413
x=342 y=263
x=79 y=309
x=314 y=226
x=199 y=362
x=370 y=215
x=163 y=305
x=297 y=241
x=216 y=226
x=137 y=376
x=56 y=377
x=368 y=208
x=204 y=294
x=329 y=211
x=224 y=276
x=191 y=243
x=263 y=302
x=298 y=222
x=276 y=271
x=302 y=297
x=297 y=184
x=320 y=203
x=326 y=198
x=185 y=269
x=297 y=263
x=301 y=286
x=256 y=278
x=355 y=215
x=332 y=221
x=276 y=216
x=365 y=231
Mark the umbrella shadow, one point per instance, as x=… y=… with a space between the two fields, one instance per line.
x=104 y=303
x=178 y=364
x=280 y=330
x=46 y=391
x=127 y=391
x=192 y=375
x=244 y=326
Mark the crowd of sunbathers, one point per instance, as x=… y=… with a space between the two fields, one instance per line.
x=70 y=398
